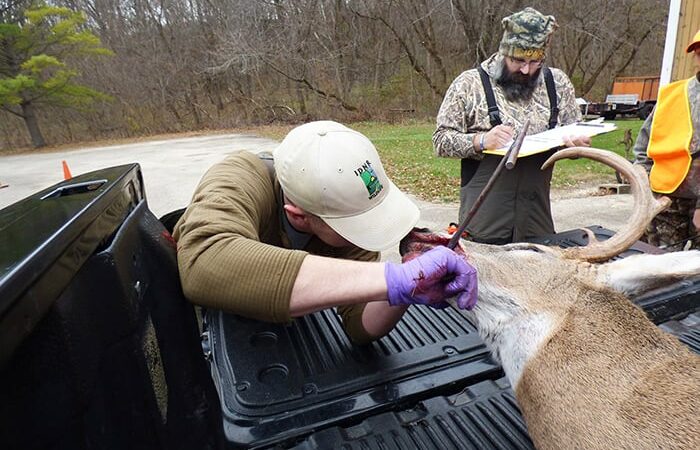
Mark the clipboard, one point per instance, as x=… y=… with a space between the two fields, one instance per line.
x=547 y=140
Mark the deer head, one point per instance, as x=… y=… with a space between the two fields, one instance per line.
x=563 y=327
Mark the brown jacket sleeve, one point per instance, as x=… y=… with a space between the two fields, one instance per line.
x=223 y=263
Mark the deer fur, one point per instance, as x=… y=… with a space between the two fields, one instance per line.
x=588 y=368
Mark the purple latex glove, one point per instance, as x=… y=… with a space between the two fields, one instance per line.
x=431 y=278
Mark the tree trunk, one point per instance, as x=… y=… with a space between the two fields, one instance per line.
x=32 y=125
x=301 y=100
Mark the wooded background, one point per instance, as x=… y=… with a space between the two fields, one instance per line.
x=180 y=65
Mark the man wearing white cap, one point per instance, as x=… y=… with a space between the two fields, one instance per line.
x=277 y=244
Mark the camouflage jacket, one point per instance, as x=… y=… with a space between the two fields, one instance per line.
x=518 y=206
x=691 y=184
x=464 y=111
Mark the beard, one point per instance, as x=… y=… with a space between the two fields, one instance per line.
x=516 y=85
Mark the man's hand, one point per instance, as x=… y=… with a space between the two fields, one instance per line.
x=577 y=141
x=696 y=219
x=498 y=137
x=431 y=278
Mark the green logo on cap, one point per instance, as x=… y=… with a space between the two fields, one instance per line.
x=369 y=177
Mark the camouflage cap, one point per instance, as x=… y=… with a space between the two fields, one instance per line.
x=526 y=34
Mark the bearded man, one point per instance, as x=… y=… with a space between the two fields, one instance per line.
x=485 y=107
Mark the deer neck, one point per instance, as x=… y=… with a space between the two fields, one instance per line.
x=516 y=344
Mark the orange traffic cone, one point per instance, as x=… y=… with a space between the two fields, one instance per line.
x=66 y=171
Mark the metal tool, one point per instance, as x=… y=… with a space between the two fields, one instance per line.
x=508 y=160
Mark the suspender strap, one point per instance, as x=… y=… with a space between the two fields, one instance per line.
x=552 y=94
x=469 y=166
x=298 y=240
x=494 y=116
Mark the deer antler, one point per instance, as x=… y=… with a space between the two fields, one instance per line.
x=645 y=205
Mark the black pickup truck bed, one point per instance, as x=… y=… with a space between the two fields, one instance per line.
x=429 y=384
x=99 y=349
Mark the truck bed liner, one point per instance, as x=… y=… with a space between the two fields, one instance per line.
x=284 y=381
x=387 y=402
x=482 y=416
x=429 y=384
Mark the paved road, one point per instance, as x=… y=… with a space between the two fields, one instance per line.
x=172 y=169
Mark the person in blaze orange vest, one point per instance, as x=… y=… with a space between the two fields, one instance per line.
x=668 y=146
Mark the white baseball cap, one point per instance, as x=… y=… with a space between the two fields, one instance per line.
x=335 y=173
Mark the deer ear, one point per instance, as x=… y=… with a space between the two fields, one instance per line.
x=641 y=273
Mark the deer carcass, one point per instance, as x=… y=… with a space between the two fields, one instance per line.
x=588 y=368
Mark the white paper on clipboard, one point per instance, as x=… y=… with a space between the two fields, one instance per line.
x=541 y=142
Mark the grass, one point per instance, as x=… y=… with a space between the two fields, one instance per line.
x=407 y=153
x=572 y=173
